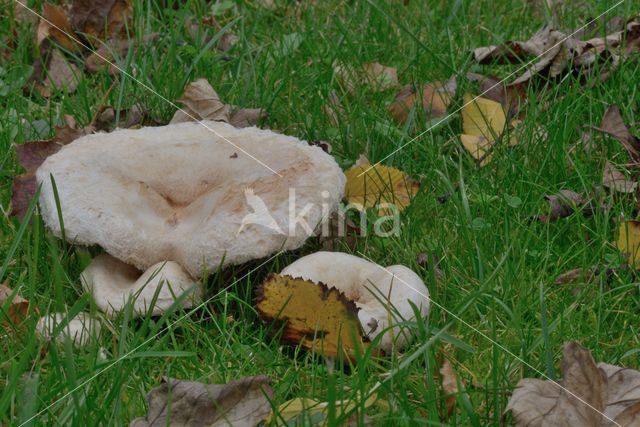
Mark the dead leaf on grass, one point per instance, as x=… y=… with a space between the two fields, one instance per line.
x=57 y=27
x=588 y=395
x=483 y=122
x=379 y=186
x=449 y=381
x=613 y=124
x=575 y=275
x=101 y=19
x=313 y=315
x=13 y=307
x=60 y=74
x=564 y=204
x=431 y=99
x=110 y=53
x=615 y=180
x=201 y=102
x=244 y=402
x=379 y=76
x=628 y=242
x=300 y=410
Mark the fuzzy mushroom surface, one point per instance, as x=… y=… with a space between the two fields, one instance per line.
x=203 y=197
x=112 y=283
x=380 y=293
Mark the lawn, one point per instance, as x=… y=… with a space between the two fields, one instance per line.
x=497 y=314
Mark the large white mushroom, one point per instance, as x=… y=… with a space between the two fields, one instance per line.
x=383 y=295
x=203 y=195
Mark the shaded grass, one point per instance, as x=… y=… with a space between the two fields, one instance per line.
x=499 y=266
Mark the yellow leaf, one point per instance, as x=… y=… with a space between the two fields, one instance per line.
x=629 y=241
x=293 y=408
x=319 y=318
x=483 y=121
x=483 y=117
x=379 y=186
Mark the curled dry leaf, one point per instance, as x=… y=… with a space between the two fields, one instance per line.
x=588 y=395
x=203 y=103
x=13 y=307
x=379 y=186
x=311 y=314
x=181 y=403
x=613 y=125
x=101 y=19
x=56 y=26
x=575 y=275
x=616 y=181
x=564 y=204
x=511 y=97
x=449 y=385
x=432 y=99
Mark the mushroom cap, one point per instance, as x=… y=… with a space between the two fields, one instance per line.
x=112 y=283
x=372 y=287
x=183 y=193
x=80 y=329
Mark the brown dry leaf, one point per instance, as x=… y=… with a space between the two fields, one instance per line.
x=615 y=180
x=628 y=242
x=449 y=385
x=564 y=204
x=101 y=19
x=14 y=309
x=313 y=315
x=588 y=395
x=109 y=53
x=226 y=41
x=129 y=118
x=60 y=75
x=32 y=154
x=613 y=124
x=575 y=275
x=432 y=98
x=203 y=103
x=60 y=31
x=379 y=186
x=380 y=77
x=511 y=97
x=244 y=402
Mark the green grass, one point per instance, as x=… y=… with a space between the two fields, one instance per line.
x=497 y=304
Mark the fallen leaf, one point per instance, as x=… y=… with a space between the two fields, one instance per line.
x=110 y=53
x=613 y=124
x=511 y=97
x=629 y=242
x=244 y=402
x=432 y=99
x=380 y=77
x=575 y=275
x=313 y=315
x=449 y=381
x=13 y=307
x=588 y=395
x=564 y=204
x=333 y=109
x=483 y=122
x=55 y=25
x=226 y=41
x=379 y=186
x=60 y=75
x=203 y=103
x=616 y=181
x=300 y=410
x=101 y=19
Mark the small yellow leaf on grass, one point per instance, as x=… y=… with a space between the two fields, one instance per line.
x=629 y=241
x=319 y=318
x=483 y=121
x=314 y=410
x=379 y=186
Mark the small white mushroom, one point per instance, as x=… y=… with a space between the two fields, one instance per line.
x=203 y=195
x=80 y=329
x=112 y=283
x=381 y=293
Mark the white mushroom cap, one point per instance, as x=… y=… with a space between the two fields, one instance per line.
x=80 y=329
x=373 y=288
x=183 y=193
x=112 y=283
